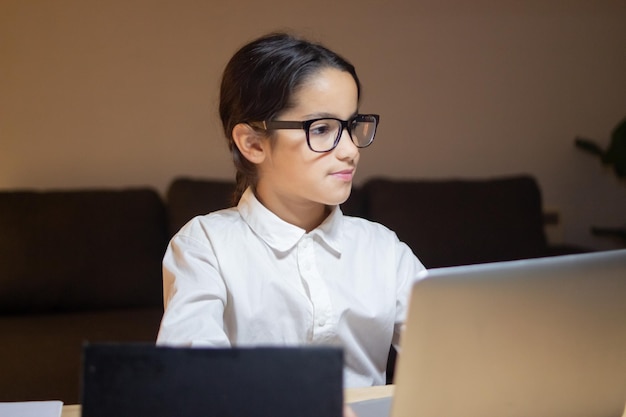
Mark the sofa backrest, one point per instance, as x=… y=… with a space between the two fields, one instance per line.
x=457 y=222
x=189 y=197
x=445 y=222
x=76 y=250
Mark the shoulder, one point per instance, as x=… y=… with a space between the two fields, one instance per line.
x=212 y=224
x=377 y=246
x=363 y=233
x=361 y=226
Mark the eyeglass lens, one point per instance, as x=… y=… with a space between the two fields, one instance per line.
x=324 y=133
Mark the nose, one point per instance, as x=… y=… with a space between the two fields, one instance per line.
x=346 y=149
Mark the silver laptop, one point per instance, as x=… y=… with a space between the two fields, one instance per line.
x=543 y=337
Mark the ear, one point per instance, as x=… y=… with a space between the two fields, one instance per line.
x=249 y=142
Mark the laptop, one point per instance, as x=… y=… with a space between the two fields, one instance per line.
x=543 y=337
x=147 y=380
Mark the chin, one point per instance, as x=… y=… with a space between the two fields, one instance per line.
x=339 y=197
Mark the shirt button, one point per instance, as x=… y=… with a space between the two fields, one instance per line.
x=321 y=323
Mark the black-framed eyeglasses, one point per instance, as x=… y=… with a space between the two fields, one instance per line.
x=323 y=135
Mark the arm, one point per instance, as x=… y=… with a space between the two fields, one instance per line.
x=194 y=295
x=408 y=268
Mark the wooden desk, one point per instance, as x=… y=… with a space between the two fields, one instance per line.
x=71 y=411
x=350 y=394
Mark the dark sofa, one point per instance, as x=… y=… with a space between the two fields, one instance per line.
x=85 y=265
x=75 y=266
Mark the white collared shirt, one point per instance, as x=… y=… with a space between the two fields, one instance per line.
x=244 y=277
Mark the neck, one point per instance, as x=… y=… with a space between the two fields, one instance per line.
x=306 y=215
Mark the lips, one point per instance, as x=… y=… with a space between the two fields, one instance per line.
x=345 y=174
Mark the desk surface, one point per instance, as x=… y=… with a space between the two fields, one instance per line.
x=351 y=395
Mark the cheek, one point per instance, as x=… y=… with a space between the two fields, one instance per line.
x=290 y=148
x=301 y=163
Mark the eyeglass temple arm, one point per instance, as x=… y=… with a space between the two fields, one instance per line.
x=281 y=124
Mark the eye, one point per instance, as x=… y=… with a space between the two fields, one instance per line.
x=320 y=128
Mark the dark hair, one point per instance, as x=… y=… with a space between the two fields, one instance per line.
x=258 y=84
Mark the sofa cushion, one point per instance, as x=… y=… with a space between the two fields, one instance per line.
x=80 y=250
x=457 y=222
x=188 y=197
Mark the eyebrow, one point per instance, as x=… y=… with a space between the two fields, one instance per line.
x=327 y=115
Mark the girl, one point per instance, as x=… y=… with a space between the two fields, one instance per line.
x=285 y=266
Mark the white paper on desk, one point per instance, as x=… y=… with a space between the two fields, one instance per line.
x=31 y=409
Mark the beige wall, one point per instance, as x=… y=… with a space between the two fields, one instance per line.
x=124 y=92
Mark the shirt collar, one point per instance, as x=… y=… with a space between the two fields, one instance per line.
x=329 y=231
x=283 y=236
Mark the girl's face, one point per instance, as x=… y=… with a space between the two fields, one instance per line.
x=295 y=182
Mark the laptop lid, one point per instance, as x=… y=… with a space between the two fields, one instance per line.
x=146 y=380
x=543 y=337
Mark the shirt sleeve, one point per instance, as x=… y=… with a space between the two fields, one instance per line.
x=408 y=268
x=194 y=295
